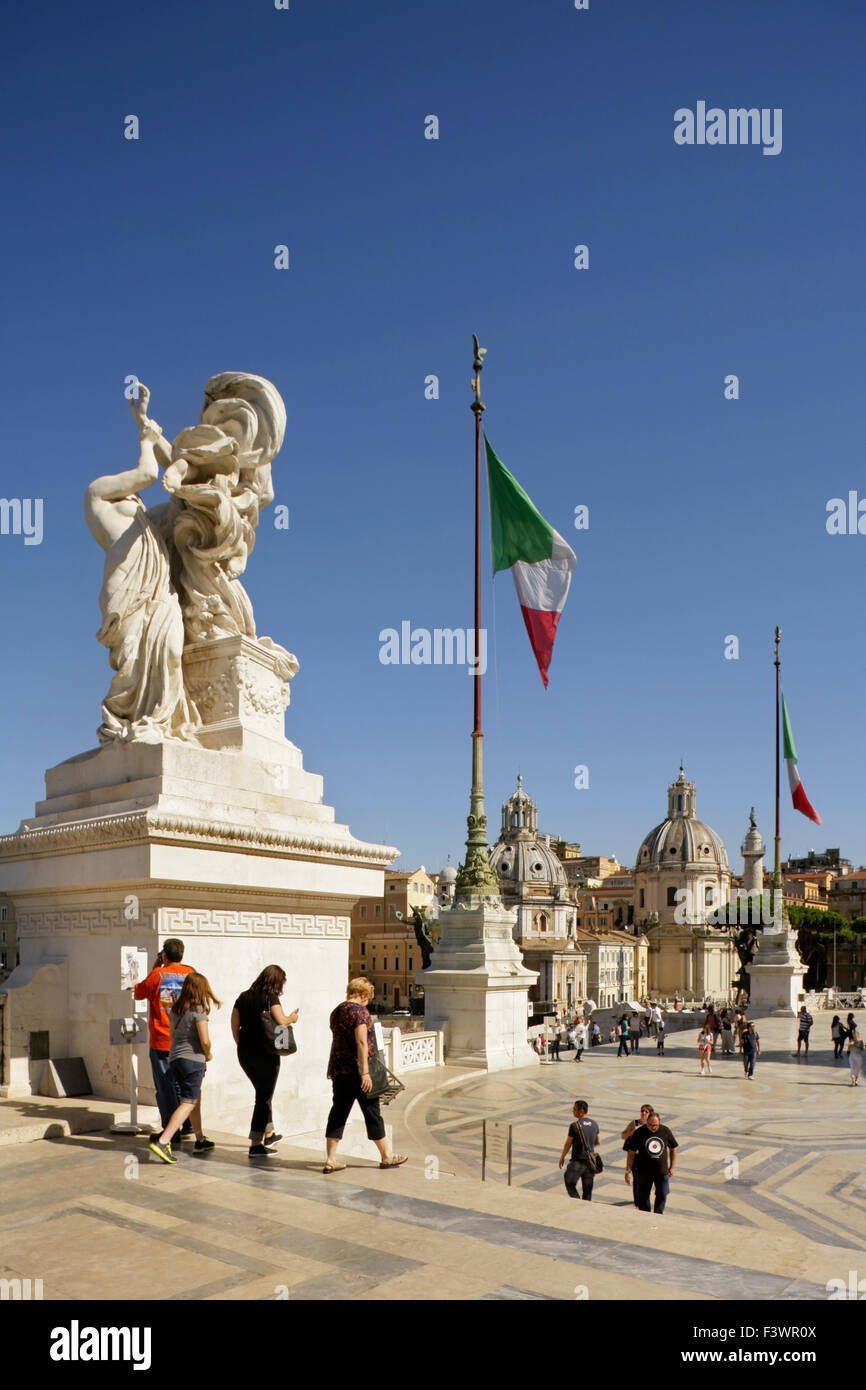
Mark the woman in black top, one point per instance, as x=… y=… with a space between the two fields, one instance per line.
x=256 y=1054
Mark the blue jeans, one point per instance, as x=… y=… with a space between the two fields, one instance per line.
x=167 y=1098
x=643 y=1190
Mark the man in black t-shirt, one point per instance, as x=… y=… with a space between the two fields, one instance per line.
x=650 y=1160
x=582 y=1139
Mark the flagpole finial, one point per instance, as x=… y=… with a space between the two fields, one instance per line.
x=479 y=354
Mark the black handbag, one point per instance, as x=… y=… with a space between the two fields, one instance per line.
x=385 y=1087
x=593 y=1161
x=279 y=1037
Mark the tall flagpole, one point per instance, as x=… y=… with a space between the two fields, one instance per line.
x=777 y=863
x=475 y=874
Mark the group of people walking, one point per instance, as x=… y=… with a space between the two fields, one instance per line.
x=650 y=1149
x=180 y=1001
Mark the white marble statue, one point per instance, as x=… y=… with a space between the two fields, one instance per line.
x=142 y=624
x=220 y=478
x=171 y=572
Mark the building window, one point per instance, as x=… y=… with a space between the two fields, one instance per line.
x=3 y=936
x=709 y=895
x=385 y=963
x=411 y=963
x=672 y=897
x=363 y=912
x=385 y=989
x=363 y=948
x=4 y=912
x=392 y=911
x=378 y=909
x=641 y=898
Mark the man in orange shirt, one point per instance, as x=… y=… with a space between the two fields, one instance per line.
x=161 y=988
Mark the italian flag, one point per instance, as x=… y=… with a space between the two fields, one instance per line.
x=798 y=796
x=538 y=557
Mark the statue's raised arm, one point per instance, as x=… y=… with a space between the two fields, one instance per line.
x=142 y=624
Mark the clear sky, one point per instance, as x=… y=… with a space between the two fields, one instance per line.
x=604 y=387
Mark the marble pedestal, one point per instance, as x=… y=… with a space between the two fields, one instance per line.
x=477 y=989
x=776 y=973
x=229 y=847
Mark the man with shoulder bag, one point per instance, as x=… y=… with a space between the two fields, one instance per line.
x=583 y=1140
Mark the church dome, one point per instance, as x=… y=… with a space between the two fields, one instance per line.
x=521 y=854
x=448 y=874
x=681 y=838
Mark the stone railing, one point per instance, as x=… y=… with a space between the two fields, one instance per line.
x=413 y=1051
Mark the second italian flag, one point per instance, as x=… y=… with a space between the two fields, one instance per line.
x=539 y=559
x=798 y=795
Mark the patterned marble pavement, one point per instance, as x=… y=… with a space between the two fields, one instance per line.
x=786 y=1149
x=93 y=1217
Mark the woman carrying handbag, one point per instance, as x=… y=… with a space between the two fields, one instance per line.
x=353 y=1055
x=263 y=1034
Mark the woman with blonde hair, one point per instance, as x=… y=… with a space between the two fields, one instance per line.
x=353 y=1044
x=188 y=1059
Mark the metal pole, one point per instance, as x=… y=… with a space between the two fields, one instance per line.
x=777 y=865
x=475 y=874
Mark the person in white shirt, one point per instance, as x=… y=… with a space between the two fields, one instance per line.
x=705 y=1050
x=579 y=1039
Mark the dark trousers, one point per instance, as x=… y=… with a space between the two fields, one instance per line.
x=167 y=1095
x=749 y=1063
x=573 y=1171
x=263 y=1069
x=838 y=1044
x=623 y=1047
x=660 y=1045
x=643 y=1190
x=635 y=1041
x=347 y=1090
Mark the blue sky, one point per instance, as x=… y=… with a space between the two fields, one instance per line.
x=603 y=387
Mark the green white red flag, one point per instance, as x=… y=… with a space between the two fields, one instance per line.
x=798 y=795
x=539 y=559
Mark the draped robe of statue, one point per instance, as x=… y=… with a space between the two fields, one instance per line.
x=142 y=626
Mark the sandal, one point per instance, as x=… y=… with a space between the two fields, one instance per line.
x=395 y=1160
x=334 y=1167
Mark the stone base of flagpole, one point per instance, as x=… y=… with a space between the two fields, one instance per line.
x=776 y=973
x=477 y=991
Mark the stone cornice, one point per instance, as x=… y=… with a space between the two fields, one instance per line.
x=147 y=825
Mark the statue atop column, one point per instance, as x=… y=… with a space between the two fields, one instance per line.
x=172 y=572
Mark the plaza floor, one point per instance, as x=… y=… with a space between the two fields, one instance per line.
x=768 y=1202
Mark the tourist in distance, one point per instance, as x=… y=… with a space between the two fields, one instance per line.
x=740 y=1026
x=161 y=989
x=645 y=1112
x=634 y=1032
x=656 y=1018
x=189 y=1056
x=554 y=1044
x=579 y=1039
x=623 y=1035
x=856 y=1055
x=650 y=1161
x=705 y=1051
x=751 y=1050
x=837 y=1034
x=660 y=1037
x=595 y=1035
x=727 y=1033
x=582 y=1139
x=256 y=1051
x=804 y=1025
x=353 y=1044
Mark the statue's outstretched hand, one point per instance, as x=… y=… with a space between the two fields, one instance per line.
x=139 y=408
